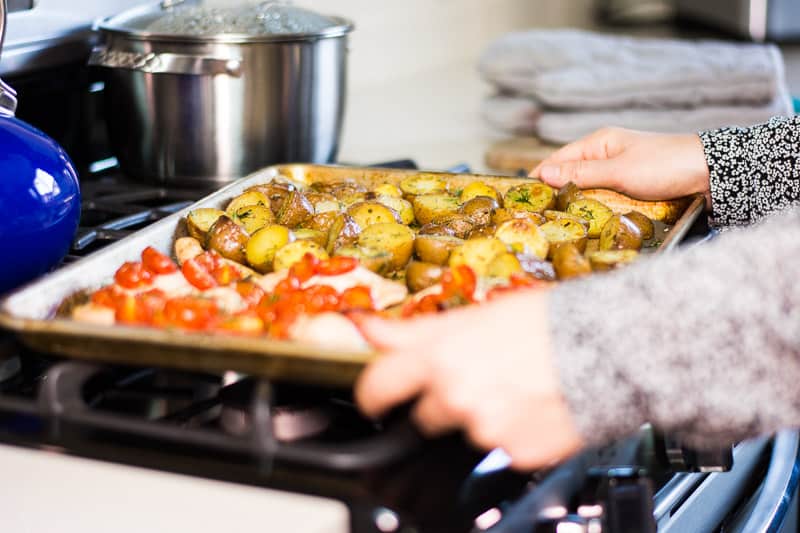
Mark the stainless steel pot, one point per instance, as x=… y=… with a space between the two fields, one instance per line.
x=207 y=110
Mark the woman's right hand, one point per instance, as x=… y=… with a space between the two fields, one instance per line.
x=647 y=166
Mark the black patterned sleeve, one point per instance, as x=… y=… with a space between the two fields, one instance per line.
x=753 y=171
x=704 y=343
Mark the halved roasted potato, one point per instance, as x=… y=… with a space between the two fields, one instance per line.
x=420 y=276
x=435 y=249
x=275 y=191
x=227 y=238
x=308 y=234
x=434 y=207
x=645 y=225
x=482 y=231
x=371 y=212
x=460 y=225
x=620 y=233
x=378 y=261
x=253 y=217
x=566 y=195
x=435 y=228
x=569 y=262
x=476 y=189
x=480 y=210
x=391 y=237
x=263 y=245
x=349 y=193
x=523 y=236
x=343 y=232
x=477 y=254
x=200 y=220
x=504 y=214
x=295 y=210
x=423 y=184
x=609 y=259
x=504 y=266
x=596 y=213
x=563 y=231
x=551 y=215
x=247 y=198
x=534 y=197
x=592 y=245
x=402 y=206
x=323 y=202
x=322 y=221
x=387 y=189
x=294 y=252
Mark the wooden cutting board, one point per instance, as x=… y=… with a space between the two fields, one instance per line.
x=518 y=153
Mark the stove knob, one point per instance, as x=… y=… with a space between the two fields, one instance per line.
x=629 y=505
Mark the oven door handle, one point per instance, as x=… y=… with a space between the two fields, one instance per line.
x=166 y=63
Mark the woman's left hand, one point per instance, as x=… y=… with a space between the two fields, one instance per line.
x=485 y=369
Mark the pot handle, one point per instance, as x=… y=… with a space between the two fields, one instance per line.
x=166 y=63
x=8 y=96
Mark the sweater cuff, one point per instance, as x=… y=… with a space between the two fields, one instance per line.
x=731 y=192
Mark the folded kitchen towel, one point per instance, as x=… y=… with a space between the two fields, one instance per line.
x=576 y=69
x=524 y=116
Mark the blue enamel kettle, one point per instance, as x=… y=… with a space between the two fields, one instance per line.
x=39 y=194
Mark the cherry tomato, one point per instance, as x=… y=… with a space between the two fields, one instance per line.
x=287 y=285
x=465 y=278
x=357 y=298
x=226 y=274
x=243 y=324
x=250 y=292
x=337 y=265
x=209 y=260
x=190 y=312
x=133 y=275
x=156 y=262
x=321 y=298
x=196 y=274
x=107 y=296
x=304 y=269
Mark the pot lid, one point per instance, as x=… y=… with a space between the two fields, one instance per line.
x=219 y=20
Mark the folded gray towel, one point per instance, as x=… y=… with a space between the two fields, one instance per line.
x=523 y=116
x=583 y=70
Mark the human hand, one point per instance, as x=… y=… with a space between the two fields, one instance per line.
x=647 y=166
x=485 y=369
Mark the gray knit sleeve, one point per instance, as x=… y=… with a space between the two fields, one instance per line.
x=753 y=171
x=704 y=343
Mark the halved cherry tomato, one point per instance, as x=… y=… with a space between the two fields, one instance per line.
x=337 y=265
x=132 y=275
x=243 y=324
x=209 y=260
x=304 y=269
x=358 y=298
x=190 y=312
x=156 y=262
x=287 y=285
x=226 y=274
x=250 y=292
x=107 y=296
x=460 y=281
x=321 y=298
x=196 y=274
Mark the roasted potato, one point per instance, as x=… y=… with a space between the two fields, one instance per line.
x=246 y=199
x=559 y=232
x=378 y=261
x=263 y=245
x=200 y=220
x=420 y=276
x=323 y=202
x=592 y=245
x=479 y=210
x=645 y=225
x=348 y=193
x=609 y=259
x=482 y=231
x=403 y=208
x=505 y=214
x=371 y=212
x=423 y=184
x=434 y=228
x=566 y=195
x=476 y=189
x=322 y=221
x=477 y=254
x=460 y=225
x=295 y=210
x=307 y=234
x=275 y=191
x=227 y=238
x=569 y=262
x=596 y=213
x=523 y=236
x=387 y=189
x=538 y=268
x=253 y=217
x=434 y=207
x=435 y=249
x=620 y=233
x=343 y=231
x=551 y=215
x=391 y=237
x=504 y=266
x=535 y=197
x=293 y=252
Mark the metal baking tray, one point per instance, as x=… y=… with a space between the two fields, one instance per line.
x=30 y=311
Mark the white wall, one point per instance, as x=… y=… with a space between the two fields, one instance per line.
x=397 y=38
